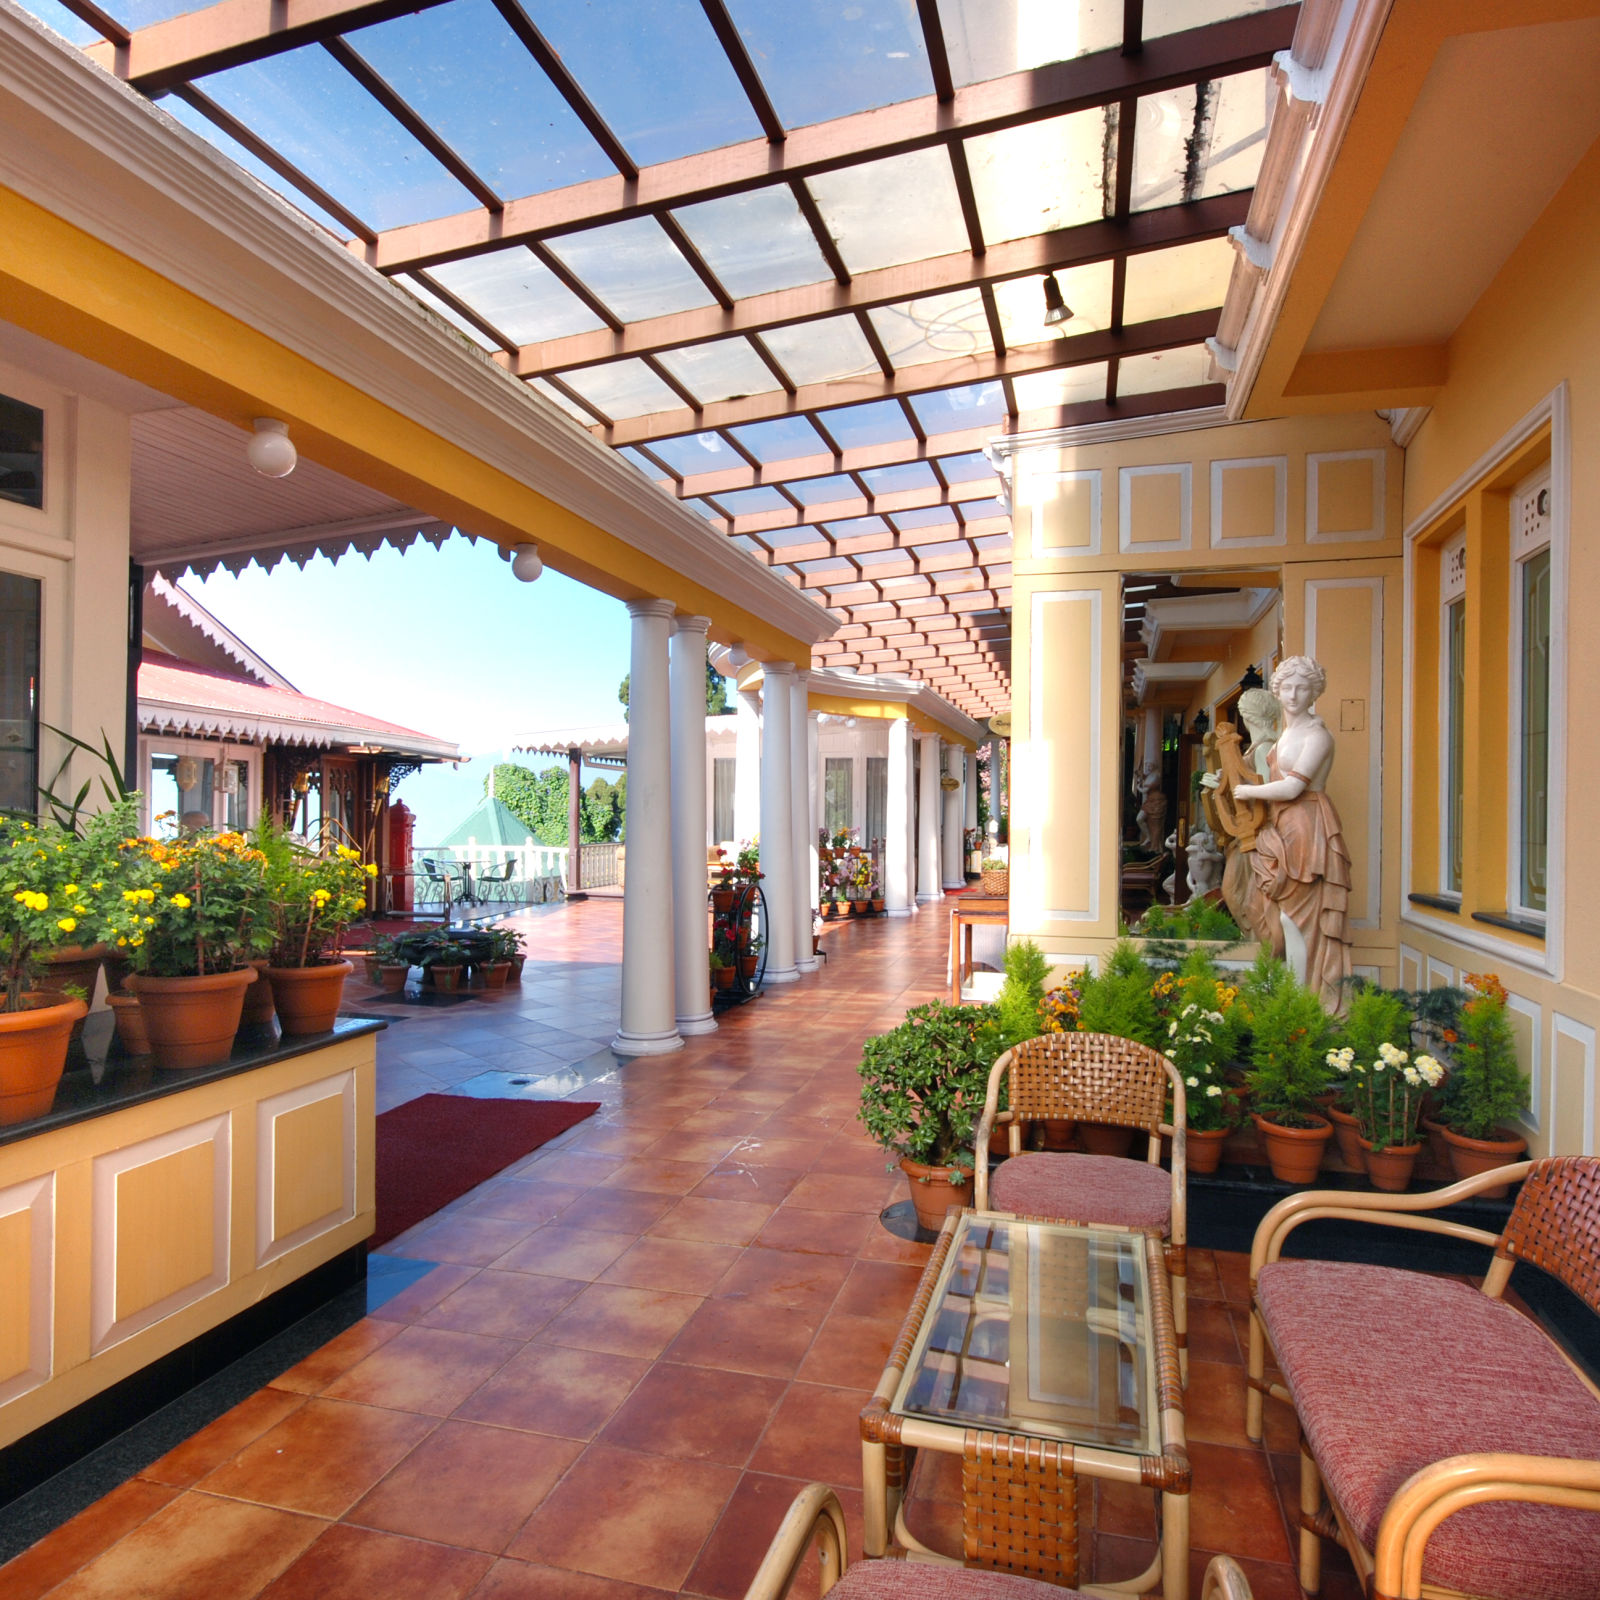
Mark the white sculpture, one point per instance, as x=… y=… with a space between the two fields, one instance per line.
x=1262 y=716
x=1169 y=884
x=1152 y=804
x=1205 y=862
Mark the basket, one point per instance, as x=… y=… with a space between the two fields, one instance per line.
x=993 y=882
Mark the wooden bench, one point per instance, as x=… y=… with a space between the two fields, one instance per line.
x=1447 y=1442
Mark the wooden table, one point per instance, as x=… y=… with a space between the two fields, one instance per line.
x=1040 y=1353
x=966 y=912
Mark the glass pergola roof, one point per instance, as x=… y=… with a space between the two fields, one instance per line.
x=787 y=256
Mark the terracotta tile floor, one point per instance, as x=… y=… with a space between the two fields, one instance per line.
x=636 y=1344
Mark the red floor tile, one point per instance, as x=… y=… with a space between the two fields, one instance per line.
x=76 y=1543
x=816 y=1434
x=738 y=1336
x=620 y=1321
x=509 y=1305
x=358 y=1564
x=229 y=1434
x=423 y=1369
x=695 y=1413
x=550 y=1389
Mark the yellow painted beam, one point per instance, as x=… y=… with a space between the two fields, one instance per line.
x=834 y=705
x=67 y=286
x=1417 y=372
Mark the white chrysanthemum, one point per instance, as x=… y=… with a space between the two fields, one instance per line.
x=1213 y=1090
x=1432 y=1072
x=1413 y=1077
x=1194 y=1083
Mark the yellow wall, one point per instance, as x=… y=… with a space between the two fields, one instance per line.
x=1314 y=502
x=1535 y=328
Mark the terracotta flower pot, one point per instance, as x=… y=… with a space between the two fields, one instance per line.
x=1347 y=1135
x=1055 y=1133
x=192 y=1021
x=33 y=1052
x=722 y=900
x=827 y=910
x=722 y=977
x=259 y=1004
x=933 y=1193
x=1203 y=1148
x=1294 y=1154
x=860 y=907
x=1101 y=1139
x=877 y=905
x=445 y=979
x=1437 y=1148
x=72 y=963
x=392 y=975
x=495 y=974
x=129 y=1018
x=1469 y=1157
x=1390 y=1170
x=747 y=967
x=516 y=969
x=308 y=997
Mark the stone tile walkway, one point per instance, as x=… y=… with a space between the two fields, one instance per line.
x=634 y=1346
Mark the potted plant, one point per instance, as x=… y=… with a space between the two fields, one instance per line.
x=1119 y=999
x=994 y=877
x=311 y=899
x=1486 y=1086
x=722 y=970
x=496 y=969
x=1289 y=1070
x=200 y=905
x=750 y=956
x=1387 y=1092
x=922 y=1091
x=841 y=906
x=1374 y=1018
x=861 y=886
x=393 y=966
x=875 y=894
x=722 y=889
x=442 y=959
x=1202 y=1039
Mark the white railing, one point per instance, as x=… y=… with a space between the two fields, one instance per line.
x=600 y=865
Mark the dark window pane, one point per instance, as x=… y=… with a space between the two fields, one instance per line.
x=19 y=692
x=21 y=454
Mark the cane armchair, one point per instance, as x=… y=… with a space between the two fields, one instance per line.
x=1446 y=1441
x=1093 y=1077
x=815 y=1518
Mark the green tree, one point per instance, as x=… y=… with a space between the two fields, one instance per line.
x=716 y=693
x=539 y=801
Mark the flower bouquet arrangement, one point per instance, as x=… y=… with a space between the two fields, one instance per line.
x=748 y=861
x=1385 y=1094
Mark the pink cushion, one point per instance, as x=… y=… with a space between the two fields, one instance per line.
x=1085 y=1189
x=1393 y=1370
x=903 y=1580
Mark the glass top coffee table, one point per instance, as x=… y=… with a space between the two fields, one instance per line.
x=1039 y=1353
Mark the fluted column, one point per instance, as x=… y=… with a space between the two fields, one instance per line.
x=777 y=820
x=648 y=1001
x=955 y=811
x=691 y=962
x=897 y=885
x=747 y=768
x=930 y=814
x=800 y=817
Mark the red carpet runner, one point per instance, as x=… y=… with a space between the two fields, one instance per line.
x=432 y=1149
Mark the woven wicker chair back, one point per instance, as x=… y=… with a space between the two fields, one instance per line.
x=1555 y=1224
x=1089 y=1077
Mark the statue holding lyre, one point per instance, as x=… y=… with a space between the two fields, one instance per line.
x=1235 y=823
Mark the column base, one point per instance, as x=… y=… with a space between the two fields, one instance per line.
x=704 y=1023
x=959 y=883
x=928 y=899
x=782 y=975
x=809 y=963
x=902 y=911
x=647 y=1044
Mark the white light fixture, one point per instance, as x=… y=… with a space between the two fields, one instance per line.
x=738 y=656
x=271 y=451
x=525 y=562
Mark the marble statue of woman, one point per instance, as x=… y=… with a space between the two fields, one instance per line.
x=1152 y=814
x=1301 y=865
x=1262 y=716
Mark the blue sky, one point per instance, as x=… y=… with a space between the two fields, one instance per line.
x=445 y=641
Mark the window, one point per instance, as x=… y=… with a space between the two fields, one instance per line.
x=722 y=782
x=877 y=798
x=837 y=809
x=1530 y=695
x=1453 y=722
x=21 y=453
x=236 y=786
x=182 y=788
x=19 y=689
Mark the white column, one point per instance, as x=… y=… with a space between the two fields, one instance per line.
x=814 y=812
x=800 y=817
x=777 y=821
x=969 y=793
x=897 y=887
x=648 y=1008
x=746 y=769
x=955 y=811
x=690 y=931
x=930 y=813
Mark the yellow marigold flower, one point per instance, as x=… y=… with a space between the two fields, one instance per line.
x=137 y=940
x=99 y=885
x=147 y=895
x=81 y=910
x=21 y=894
x=122 y=941
x=182 y=901
x=347 y=853
x=67 y=924
x=130 y=894
x=69 y=888
x=372 y=869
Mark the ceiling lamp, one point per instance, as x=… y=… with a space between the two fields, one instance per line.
x=1056 y=309
x=270 y=450
x=525 y=562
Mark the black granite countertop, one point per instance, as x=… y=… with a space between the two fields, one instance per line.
x=100 y=1079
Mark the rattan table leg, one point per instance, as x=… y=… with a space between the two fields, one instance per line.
x=876 y=1515
x=1174 y=1547
x=1310 y=1506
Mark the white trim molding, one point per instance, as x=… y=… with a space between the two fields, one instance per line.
x=1581 y=1034
x=1280 y=502
x=1037 y=549
x=1184 y=473
x=1375 y=528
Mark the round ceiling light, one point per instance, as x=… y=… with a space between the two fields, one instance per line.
x=525 y=562
x=271 y=451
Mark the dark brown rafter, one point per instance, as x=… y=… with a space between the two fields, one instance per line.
x=868 y=505
x=938 y=57
x=744 y=69
x=875 y=344
x=826 y=246
x=570 y=281
x=105 y=25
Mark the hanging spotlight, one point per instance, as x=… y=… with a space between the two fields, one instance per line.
x=271 y=451
x=525 y=563
x=1056 y=309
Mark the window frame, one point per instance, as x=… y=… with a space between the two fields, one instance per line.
x=217 y=751
x=1523 y=551
x=1452 y=716
x=830 y=765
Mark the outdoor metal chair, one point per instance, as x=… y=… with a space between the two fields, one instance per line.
x=438 y=883
x=815 y=1517
x=1100 y=1078
x=499 y=885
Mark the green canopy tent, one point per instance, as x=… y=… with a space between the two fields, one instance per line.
x=491 y=822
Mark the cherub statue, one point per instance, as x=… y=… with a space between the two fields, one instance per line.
x=1152 y=805
x=1205 y=862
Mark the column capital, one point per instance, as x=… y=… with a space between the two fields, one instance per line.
x=651 y=608
x=923 y=734
x=681 y=624
x=778 y=669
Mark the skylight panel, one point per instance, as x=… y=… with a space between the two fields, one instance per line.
x=449 y=313
x=859 y=427
x=935 y=328
x=899 y=480
x=623 y=389
x=706 y=510
x=1162 y=17
x=133 y=14
x=750 y=547
x=1062 y=386
x=924 y=517
x=742 y=502
x=638 y=459
x=1020 y=301
x=781 y=439
x=818 y=352
x=755 y=242
x=966 y=468
x=991 y=38
x=58 y=17
x=696 y=453
x=1164 y=369
x=880 y=558
x=565 y=402
x=821 y=59
x=1200 y=140
x=634 y=268
x=835 y=564
x=857 y=527
x=885 y=213
x=823 y=491
x=994 y=544
x=721 y=370
x=792 y=538
x=982 y=510
x=309 y=109
x=1044 y=175
x=654 y=71
x=978 y=405
x=519 y=294
x=1168 y=283
x=462 y=69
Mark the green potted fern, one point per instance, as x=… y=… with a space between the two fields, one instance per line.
x=1290 y=1035
x=1118 y=1000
